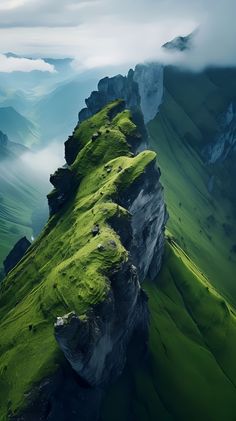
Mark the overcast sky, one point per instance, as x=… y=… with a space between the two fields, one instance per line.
x=100 y=33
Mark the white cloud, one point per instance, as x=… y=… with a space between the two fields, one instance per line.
x=18 y=64
x=45 y=161
x=11 y=4
x=110 y=32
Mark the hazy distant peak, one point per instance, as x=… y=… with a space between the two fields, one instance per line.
x=181 y=43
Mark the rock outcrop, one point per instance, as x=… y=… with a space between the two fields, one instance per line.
x=85 y=272
x=141 y=89
x=16 y=254
x=96 y=346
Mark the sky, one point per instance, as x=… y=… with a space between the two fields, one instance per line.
x=99 y=33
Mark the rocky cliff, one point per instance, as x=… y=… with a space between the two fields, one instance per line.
x=141 y=89
x=223 y=142
x=80 y=282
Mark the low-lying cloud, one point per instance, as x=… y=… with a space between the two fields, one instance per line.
x=45 y=161
x=18 y=64
x=99 y=33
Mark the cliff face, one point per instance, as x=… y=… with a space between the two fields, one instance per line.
x=96 y=346
x=81 y=280
x=224 y=142
x=141 y=89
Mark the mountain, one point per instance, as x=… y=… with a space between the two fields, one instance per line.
x=37 y=80
x=108 y=315
x=23 y=208
x=83 y=273
x=60 y=64
x=192 y=123
x=180 y=43
x=193 y=135
x=10 y=149
x=17 y=127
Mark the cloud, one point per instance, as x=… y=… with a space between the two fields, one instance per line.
x=44 y=161
x=99 y=33
x=18 y=64
x=11 y=4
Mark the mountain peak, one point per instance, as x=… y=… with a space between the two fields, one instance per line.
x=180 y=43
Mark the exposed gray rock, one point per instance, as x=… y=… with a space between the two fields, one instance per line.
x=225 y=141
x=145 y=202
x=96 y=345
x=151 y=84
x=110 y=89
x=141 y=89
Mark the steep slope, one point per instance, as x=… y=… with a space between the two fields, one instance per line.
x=84 y=273
x=10 y=149
x=17 y=127
x=190 y=371
x=200 y=196
x=23 y=208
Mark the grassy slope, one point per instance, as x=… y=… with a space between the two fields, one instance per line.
x=20 y=195
x=197 y=218
x=65 y=270
x=190 y=372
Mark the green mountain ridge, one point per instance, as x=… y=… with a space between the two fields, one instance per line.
x=189 y=371
x=75 y=276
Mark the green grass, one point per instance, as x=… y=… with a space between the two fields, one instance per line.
x=190 y=370
x=198 y=219
x=21 y=194
x=65 y=269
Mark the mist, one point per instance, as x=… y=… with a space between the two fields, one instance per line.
x=44 y=162
x=100 y=33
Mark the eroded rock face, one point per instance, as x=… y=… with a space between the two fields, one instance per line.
x=225 y=141
x=96 y=345
x=141 y=89
x=16 y=254
x=150 y=80
x=64 y=183
x=110 y=89
x=145 y=202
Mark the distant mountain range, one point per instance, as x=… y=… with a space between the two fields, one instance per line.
x=10 y=149
x=17 y=127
